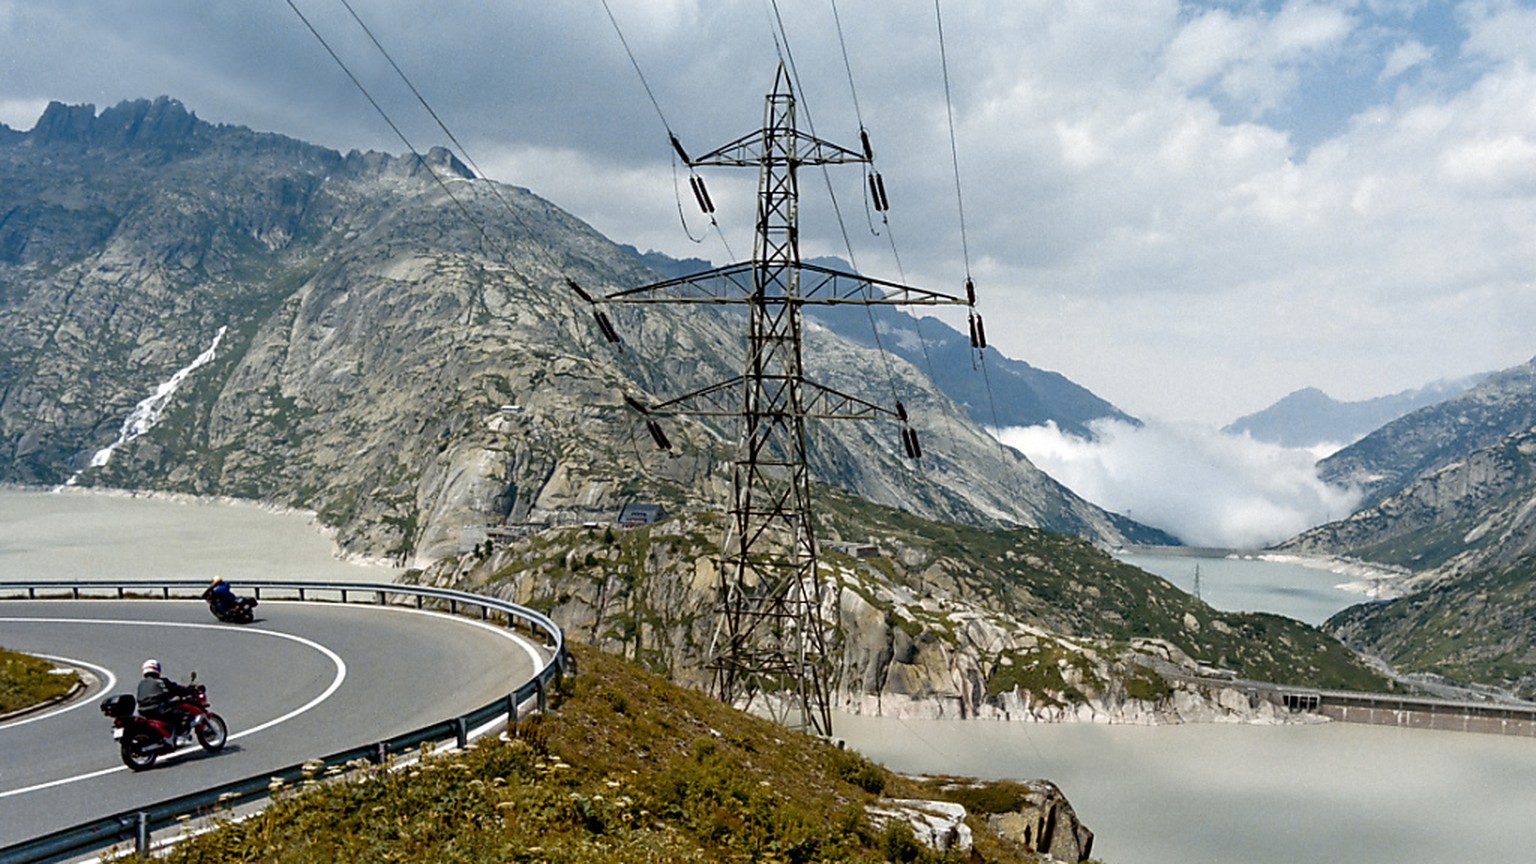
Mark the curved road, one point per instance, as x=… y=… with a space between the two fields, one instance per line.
x=303 y=680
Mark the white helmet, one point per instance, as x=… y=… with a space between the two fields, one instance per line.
x=150 y=667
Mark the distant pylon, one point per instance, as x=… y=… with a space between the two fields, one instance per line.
x=770 y=638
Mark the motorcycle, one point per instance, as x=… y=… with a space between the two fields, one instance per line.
x=233 y=611
x=143 y=740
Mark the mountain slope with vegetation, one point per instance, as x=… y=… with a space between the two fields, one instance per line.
x=1475 y=628
x=926 y=618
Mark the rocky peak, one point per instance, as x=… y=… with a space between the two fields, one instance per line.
x=163 y=124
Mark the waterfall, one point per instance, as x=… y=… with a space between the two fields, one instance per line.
x=147 y=413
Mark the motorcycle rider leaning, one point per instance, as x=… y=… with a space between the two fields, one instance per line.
x=219 y=595
x=157 y=699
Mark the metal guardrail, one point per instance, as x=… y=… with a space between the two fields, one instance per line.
x=137 y=825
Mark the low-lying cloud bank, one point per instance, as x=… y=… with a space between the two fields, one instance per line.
x=1206 y=487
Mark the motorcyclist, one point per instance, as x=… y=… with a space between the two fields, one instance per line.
x=157 y=699
x=219 y=596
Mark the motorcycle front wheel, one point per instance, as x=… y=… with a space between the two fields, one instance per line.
x=212 y=733
x=136 y=752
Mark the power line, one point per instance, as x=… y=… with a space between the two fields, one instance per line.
x=638 y=73
x=420 y=160
x=954 y=150
x=694 y=180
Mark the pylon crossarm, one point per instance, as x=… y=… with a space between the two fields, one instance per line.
x=823 y=403
x=819 y=286
x=729 y=284
x=825 y=286
x=716 y=400
x=749 y=151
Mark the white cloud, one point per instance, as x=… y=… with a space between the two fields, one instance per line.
x=1203 y=486
x=1138 y=216
x=1404 y=57
x=21 y=114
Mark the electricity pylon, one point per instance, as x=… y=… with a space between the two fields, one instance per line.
x=770 y=637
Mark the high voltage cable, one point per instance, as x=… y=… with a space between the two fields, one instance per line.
x=401 y=135
x=672 y=136
x=786 y=54
x=635 y=63
x=439 y=120
x=954 y=150
x=965 y=249
x=495 y=244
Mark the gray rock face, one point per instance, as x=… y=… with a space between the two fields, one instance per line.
x=1451 y=498
x=402 y=354
x=1448 y=486
x=1046 y=824
x=1431 y=438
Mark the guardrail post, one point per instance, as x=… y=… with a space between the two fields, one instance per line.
x=141 y=834
x=538 y=690
x=461 y=732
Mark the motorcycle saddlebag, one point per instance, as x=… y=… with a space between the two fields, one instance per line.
x=118 y=706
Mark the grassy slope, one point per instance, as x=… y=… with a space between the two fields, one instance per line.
x=627 y=768
x=26 y=681
x=1476 y=628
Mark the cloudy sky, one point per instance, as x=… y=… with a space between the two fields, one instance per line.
x=1191 y=208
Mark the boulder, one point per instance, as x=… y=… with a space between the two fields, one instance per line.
x=1045 y=824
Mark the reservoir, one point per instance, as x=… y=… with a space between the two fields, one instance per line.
x=1243 y=583
x=1235 y=794
x=1193 y=794
x=75 y=534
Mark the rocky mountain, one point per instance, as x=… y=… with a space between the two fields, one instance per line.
x=1447 y=486
x=1008 y=392
x=1451 y=495
x=388 y=341
x=1310 y=418
x=1424 y=441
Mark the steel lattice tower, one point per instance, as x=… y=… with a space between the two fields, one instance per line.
x=771 y=636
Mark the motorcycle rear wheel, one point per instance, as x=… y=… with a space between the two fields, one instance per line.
x=212 y=733
x=134 y=749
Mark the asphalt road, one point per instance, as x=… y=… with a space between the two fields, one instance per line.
x=303 y=680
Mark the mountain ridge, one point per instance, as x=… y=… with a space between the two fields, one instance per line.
x=1308 y=417
x=387 y=364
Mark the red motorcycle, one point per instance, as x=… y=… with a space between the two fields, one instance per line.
x=144 y=739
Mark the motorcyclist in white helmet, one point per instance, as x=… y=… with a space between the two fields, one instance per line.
x=157 y=697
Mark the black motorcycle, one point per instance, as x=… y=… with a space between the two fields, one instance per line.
x=229 y=608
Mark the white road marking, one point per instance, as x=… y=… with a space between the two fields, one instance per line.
x=522 y=642
x=341 y=675
x=106 y=675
